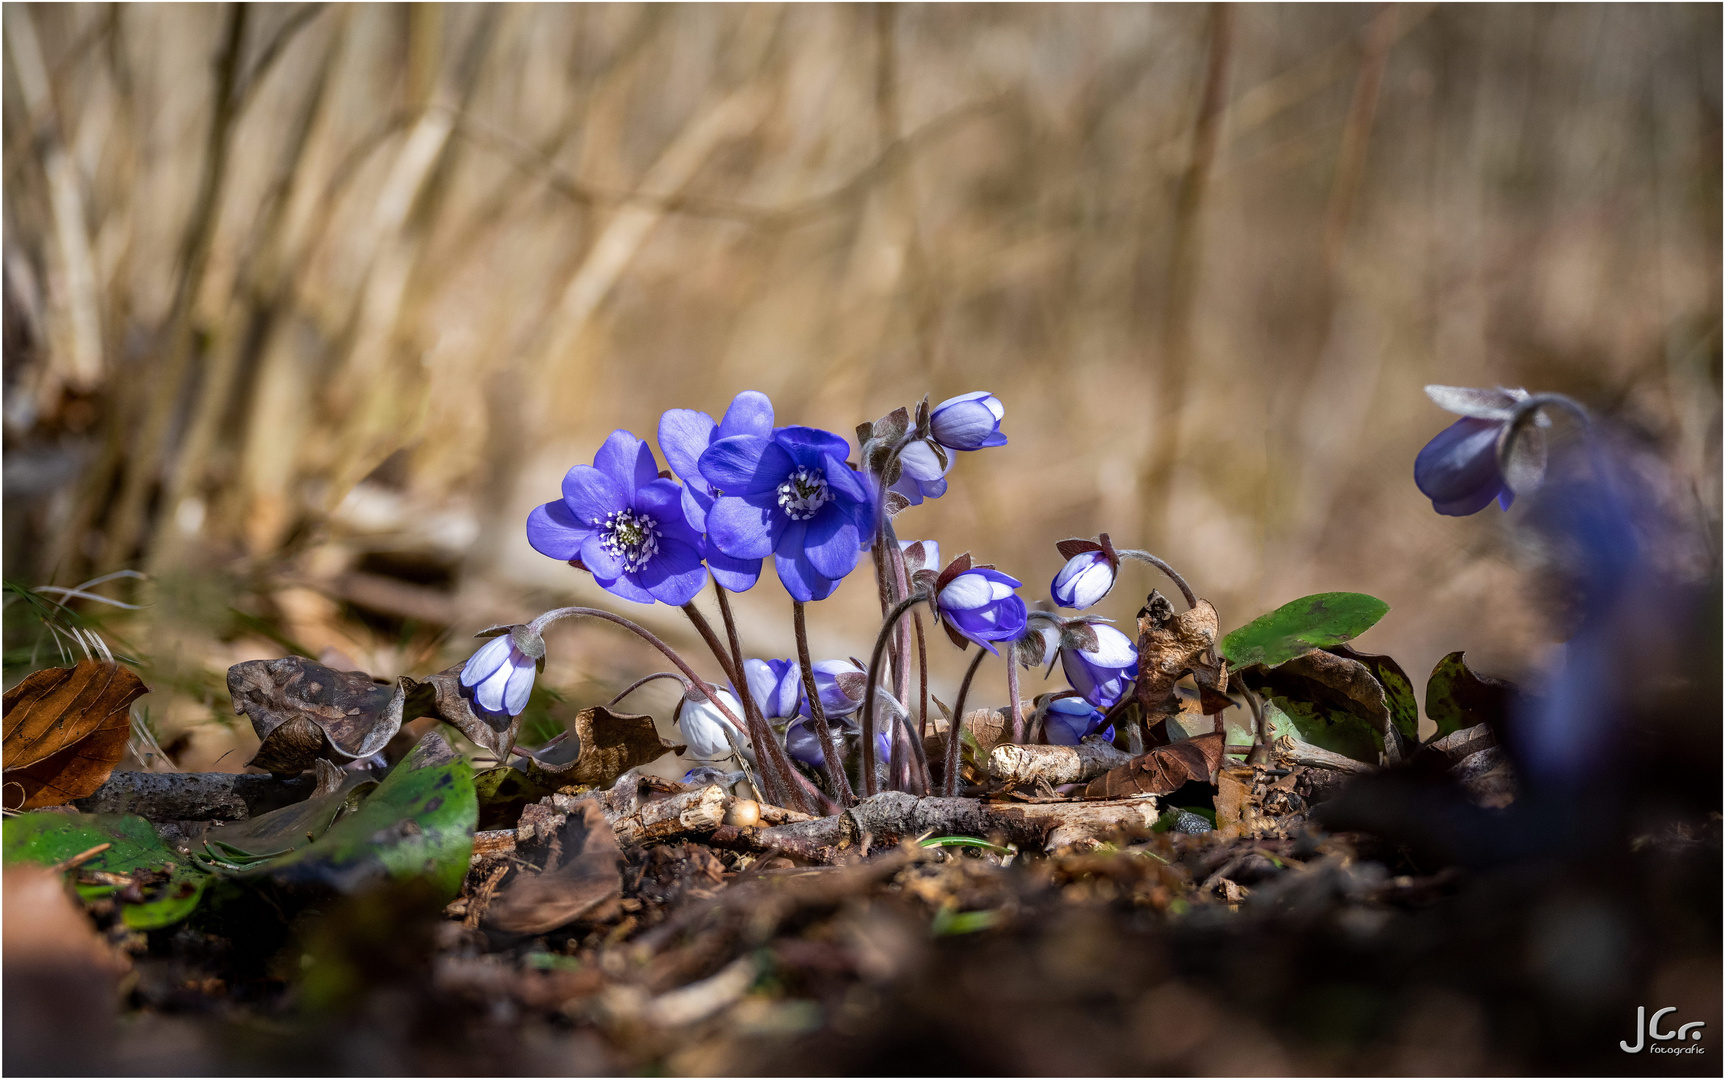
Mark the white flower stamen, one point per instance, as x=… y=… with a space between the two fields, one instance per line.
x=804 y=493
x=632 y=537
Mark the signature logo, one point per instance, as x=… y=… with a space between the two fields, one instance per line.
x=1648 y=1027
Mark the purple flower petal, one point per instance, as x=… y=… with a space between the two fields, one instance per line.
x=520 y=685
x=751 y=413
x=627 y=460
x=553 y=530
x=807 y=445
x=485 y=661
x=1459 y=466
x=591 y=495
x=625 y=586
x=844 y=481
x=744 y=529
x=831 y=542
x=684 y=436
x=746 y=465
x=801 y=579
x=600 y=559
x=736 y=575
x=675 y=575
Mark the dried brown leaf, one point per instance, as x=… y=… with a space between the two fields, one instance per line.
x=442 y=695
x=1171 y=646
x=66 y=729
x=1162 y=770
x=580 y=881
x=611 y=744
x=302 y=710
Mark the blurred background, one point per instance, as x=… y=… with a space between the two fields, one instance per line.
x=307 y=305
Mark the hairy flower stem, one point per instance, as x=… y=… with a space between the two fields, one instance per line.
x=1015 y=720
x=1260 y=754
x=841 y=785
x=955 y=729
x=880 y=641
x=775 y=769
x=901 y=638
x=1527 y=410
x=643 y=681
x=1145 y=556
x=921 y=682
x=538 y=626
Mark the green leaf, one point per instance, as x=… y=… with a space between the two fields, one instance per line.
x=418 y=823
x=504 y=791
x=1332 y=729
x=965 y=841
x=1299 y=626
x=949 y=921
x=1457 y=698
x=171 y=884
x=282 y=830
x=1398 y=690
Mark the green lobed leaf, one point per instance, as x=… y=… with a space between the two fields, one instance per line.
x=171 y=884
x=1457 y=697
x=282 y=830
x=418 y=823
x=1299 y=626
x=1332 y=729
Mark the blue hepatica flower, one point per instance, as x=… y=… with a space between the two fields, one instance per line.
x=923 y=466
x=1458 y=470
x=776 y=686
x=977 y=603
x=841 y=685
x=1087 y=576
x=705 y=727
x=500 y=675
x=968 y=422
x=790 y=495
x=1101 y=674
x=684 y=435
x=804 y=745
x=1069 y=719
x=625 y=525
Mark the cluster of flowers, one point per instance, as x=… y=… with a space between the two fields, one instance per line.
x=740 y=489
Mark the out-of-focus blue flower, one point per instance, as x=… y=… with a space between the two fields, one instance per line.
x=841 y=685
x=968 y=422
x=923 y=466
x=500 y=675
x=684 y=435
x=1084 y=580
x=1459 y=469
x=625 y=525
x=804 y=744
x=1069 y=719
x=978 y=604
x=776 y=685
x=790 y=495
x=1104 y=673
x=704 y=726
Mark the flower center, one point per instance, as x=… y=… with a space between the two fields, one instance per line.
x=803 y=494
x=632 y=537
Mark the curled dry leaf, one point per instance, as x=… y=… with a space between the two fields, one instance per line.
x=611 y=744
x=1169 y=647
x=442 y=695
x=579 y=881
x=302 y=711
x=1457 y=698
x=66 y=729
x=1162 y=770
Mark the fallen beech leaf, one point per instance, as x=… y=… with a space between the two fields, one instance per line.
x=1162 y=770
x=1335 y=683
x=611 y=744
x=442 y=695
x=66 y=729
x=1171 y=646
x=302 y=711
x=580 y=880
x=1457 y=698
x=1398 y=691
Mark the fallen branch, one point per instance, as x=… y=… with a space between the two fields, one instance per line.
x=893 y=816
x=1056 y=764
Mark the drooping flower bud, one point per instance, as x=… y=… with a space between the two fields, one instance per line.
x=1459 y=470
x=500 y=674
x=968 y=422
x=923 y=467
x=1102 y=672
x=704 y=726
x=920 y=555
x=841 y=685
x=977 y=603
x=1068 y=720
x=776 y=685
